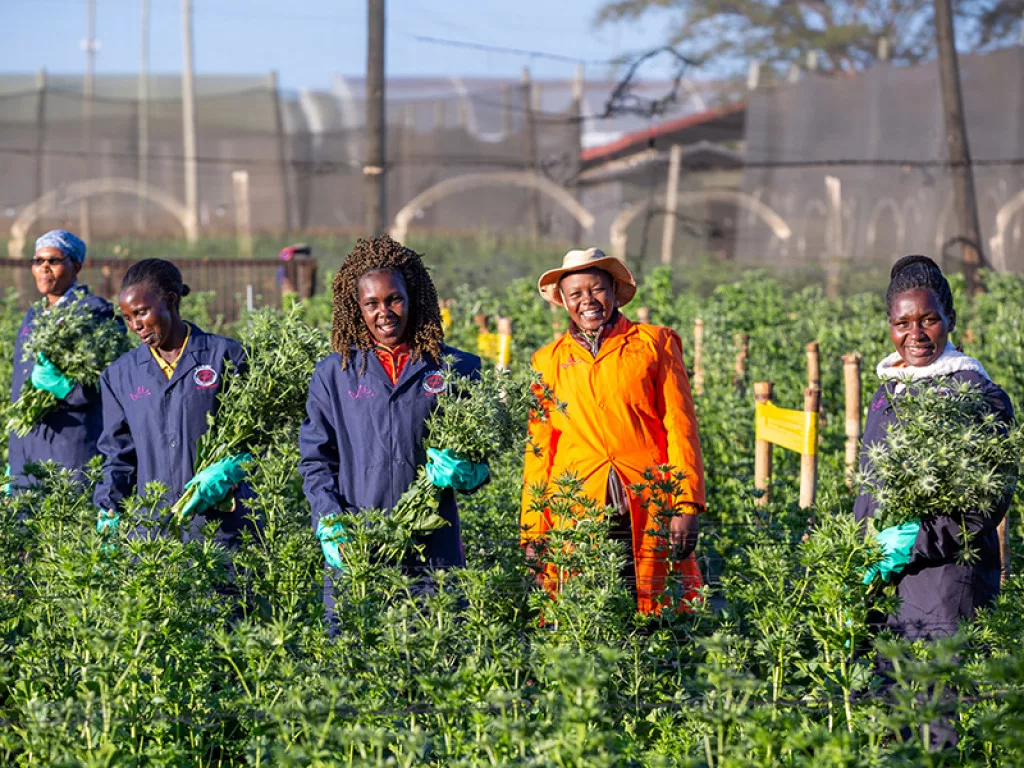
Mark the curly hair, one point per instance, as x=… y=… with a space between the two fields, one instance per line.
x=349 y=332
x=918 y=271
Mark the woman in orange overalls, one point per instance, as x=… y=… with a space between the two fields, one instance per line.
x=628 y=409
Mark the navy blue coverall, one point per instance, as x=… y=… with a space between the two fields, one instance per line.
x=362 y=441
x=151 y=426
x=68 y=434
x=936 y=591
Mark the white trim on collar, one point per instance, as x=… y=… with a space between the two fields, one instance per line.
x=949 y=362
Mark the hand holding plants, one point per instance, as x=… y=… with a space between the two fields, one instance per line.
x=71 y=346
x=331 y=535
x=47 y=377
x=446 y=469
x=684 y=531
x=897 y=542
x=215 y=483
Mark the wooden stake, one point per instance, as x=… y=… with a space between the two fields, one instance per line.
x=739 y=380
x=809 y=461
x=813 y=366
x=643 y=315
x=1004 y=551
x=698 y=356
x=851 y=388
x=504 y=342
x=481 y=322
x=762 y=448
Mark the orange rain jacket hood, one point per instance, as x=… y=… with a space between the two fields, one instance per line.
x=629 y=408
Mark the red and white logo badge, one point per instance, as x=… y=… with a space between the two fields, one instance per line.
x=205 y=377
x=434 y=383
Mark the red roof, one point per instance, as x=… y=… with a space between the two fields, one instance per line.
x=662 y=129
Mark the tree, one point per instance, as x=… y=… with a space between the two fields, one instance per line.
x=726 y=34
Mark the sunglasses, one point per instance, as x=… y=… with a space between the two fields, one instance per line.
x=53 y=261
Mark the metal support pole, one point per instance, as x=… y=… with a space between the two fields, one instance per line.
x=143 y=118
x=188 y=125
x=84 y=223
x=964 y=199
x=668 y=235
x=290 y=215
x=243 y=213
x=40 y=180
x=530 y=150
x=576 y=125
x=376 y=124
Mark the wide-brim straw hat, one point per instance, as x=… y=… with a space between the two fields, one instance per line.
x=592 y=258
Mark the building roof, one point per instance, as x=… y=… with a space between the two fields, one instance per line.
x=711 y=126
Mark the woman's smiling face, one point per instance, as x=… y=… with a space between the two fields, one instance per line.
x=919 y=326
x=384 y=302
x=589 y=297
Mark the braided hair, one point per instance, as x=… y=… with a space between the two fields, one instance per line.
x=162 y=277
x=916 y=271
x=349 y=332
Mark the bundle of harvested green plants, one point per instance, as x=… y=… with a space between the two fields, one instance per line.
x=77 y=343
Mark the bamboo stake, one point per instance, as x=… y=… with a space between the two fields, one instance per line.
x=763 y=449
x=851 y=388
x=813 y=367
x=739 y=380
x=1004 y=551
x=698 y=356
x=504 y=342
x=809 y=461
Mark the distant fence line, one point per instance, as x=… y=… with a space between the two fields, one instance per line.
x=229 y=281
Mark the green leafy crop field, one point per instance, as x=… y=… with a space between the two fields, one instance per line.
x=157 y=653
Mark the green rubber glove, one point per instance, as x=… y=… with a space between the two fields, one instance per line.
x=331 y=535
x=46 y=376
x=447 y=470
x=107 y=521
x=897 y=543
x=214 y=483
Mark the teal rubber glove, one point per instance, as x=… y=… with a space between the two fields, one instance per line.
x=46 y=376
x=7 y=484
x=214 y=483
x=447 y=470
x=331 y=535
x=897 y=543
x=107 y=521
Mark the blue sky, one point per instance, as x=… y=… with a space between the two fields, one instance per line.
x=307 y=40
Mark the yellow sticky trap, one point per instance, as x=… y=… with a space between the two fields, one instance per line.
x=446 y=319
x=487 y=345
x=495 y=346
x=792 y=430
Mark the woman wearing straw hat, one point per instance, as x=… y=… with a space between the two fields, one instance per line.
x=628 y=409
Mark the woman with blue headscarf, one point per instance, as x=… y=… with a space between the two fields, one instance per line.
x=68 y=434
